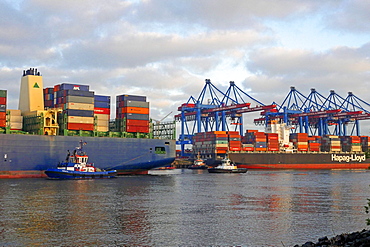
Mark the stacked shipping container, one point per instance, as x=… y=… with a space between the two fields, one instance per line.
x=49 y=97
x=211 y=143
x=102 y=112
x=15 y=119
x=300 y=141
x=3 y=94
x=314 y=143
x=132 y=113
x=351 y=143
x=330 y=143
x=77 y=103
x=234 y=140
x=365 y=143
x=257 y=139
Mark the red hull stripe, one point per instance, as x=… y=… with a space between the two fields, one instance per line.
x=307 y=166
x=22 y=174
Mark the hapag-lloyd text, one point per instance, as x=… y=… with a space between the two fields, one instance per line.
x=348 y=158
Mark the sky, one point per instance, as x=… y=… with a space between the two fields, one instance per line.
x=165 y=49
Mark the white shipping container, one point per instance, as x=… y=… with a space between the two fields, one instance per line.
x=85 y=120
x=16 y=126
x=79 y=106
x=16 y=119
x=15 y=112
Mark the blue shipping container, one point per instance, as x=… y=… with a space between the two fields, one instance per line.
x=100 y=104
x=68 y=86
x=126 y=97
x=102 y=98
x=78 y=93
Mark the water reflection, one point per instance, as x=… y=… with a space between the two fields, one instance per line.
x=260 y=208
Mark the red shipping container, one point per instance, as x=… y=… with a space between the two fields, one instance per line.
x=80 y=126
x=2 y=123
x=134 y=129
x=2 y=115
x=273 y=149
x=98 y=110
x=233 y=133
x=234 y=148
x=56 y=88
x=248 y=148
x=2 y=100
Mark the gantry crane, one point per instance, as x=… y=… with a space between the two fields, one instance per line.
x=215 y=110
x=316 y=114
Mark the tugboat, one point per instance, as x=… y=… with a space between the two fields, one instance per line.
x=198 y=164
x=76 y=167
x=227 y=166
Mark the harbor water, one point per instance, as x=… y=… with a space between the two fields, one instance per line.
x=185 y=208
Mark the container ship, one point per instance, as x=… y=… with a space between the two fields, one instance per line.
x=277 y=148
x=50 y=121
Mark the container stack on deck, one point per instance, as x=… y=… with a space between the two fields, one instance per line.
x=256 y=139
x=234 y=141
x=211 y=143
x=3 y=94
x=77 y=103
x=132 y=114
x=365 y=143
x=49 y=97
x=272 y=141
x=217 y=143
x=15 y=120
x=102 y=112
x=330 y=143
x=314 y=143
x=351 y=143
x=300 y=141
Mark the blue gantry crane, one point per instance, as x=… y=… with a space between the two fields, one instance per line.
x=214 y=110
x=319 y=115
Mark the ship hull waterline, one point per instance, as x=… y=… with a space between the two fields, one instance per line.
x=304 y=161
x=28 y=156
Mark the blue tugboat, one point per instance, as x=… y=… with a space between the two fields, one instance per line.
x=76 y=167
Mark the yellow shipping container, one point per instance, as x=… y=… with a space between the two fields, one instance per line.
x=16 y=119
x=102 y=123
x=102 y=128
x=102 y=116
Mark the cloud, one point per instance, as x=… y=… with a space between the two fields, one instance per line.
x=350 y=16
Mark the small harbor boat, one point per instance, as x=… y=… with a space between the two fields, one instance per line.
x=227 y=166
x=76 y=167
x=198 y=164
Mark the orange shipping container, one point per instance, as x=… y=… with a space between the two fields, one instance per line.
x=2 y=123
x=2 y=115
x=138 y=110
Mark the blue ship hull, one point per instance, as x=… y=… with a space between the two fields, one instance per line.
x=65 y=174
x=31 y=155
